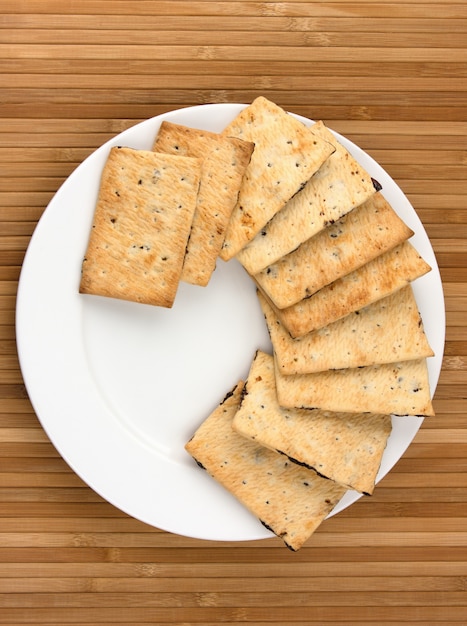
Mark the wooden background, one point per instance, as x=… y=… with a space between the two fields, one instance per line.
x=390 y=76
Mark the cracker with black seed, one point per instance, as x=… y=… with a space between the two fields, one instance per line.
x=388 y=330
x=357 y=238
x=401 y=388
x=344 y=447
x=224 y=160
x=377 y=279
x=287 y=154
x=141 y=225
x=290 y=500
x=340 y=185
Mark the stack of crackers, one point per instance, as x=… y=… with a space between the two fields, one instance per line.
x=161 y=214
x=333 y=266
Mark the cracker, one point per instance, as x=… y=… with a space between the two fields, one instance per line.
x=339 y=186
x=224 y=160
x=377 y=279
x=360 y=236
x=388 y=330
x=394 y=388
x=141 y=225
x=286 y=155
x=291 y=501
x=344 y=447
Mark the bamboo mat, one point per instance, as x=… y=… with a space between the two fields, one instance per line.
x=390 y=76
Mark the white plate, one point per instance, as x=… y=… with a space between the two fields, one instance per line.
x=120 y=387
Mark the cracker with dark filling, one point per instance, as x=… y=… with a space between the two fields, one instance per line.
x=345 y=447
x=289 y=500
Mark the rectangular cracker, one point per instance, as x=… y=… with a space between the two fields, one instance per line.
x=141 y=225
x=344 y=447
x=291 y=501
x=339 y=186
x=224 y=160
x=377 y=279
x=357 y=238
x=388 y=330
x=393 y=388
x=286 y=155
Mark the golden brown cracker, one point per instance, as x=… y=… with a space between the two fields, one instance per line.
x=289 y=500
x=388 y=330
x=363 y=234
x=377 y=279
x=339 y=186
x=140 y=227
x=224 y=160
x=393 y=388
x=286 y=155
x=343 y=447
